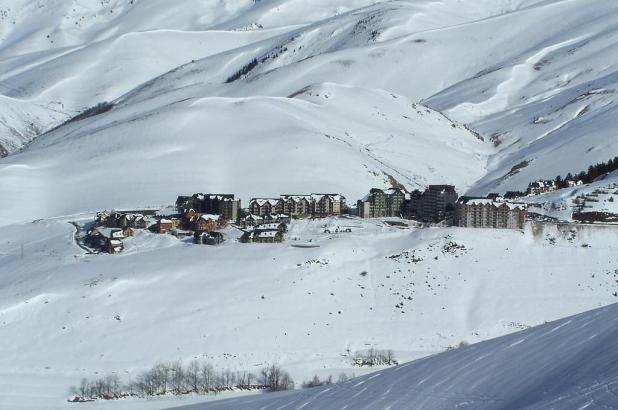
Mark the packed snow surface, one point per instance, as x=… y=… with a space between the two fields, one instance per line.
x=568 y=364
x=65 y=314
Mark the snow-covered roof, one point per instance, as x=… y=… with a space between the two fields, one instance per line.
x=268 y=226
x=264 y=201
x=111 y=232
x=494 y=202
x=267 y=234
x=334 y=197
x=222 y=197
x=296 y=198
x=209 y=217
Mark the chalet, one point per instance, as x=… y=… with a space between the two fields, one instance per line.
x=297 y=206
x=541 y=187
x=208 y=238
x=142 y=222
x=208 y=222
x=102 y=218
x=278 y=226
x=382 y=203
x=251 y=221
x=262 y=236
x=489 y=213
x=265 y=206
x=282 y=218
x=181 y=233
x=327 y=205
x=164 y=225
x=109 y=240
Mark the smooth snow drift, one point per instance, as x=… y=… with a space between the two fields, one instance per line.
x=568 y=364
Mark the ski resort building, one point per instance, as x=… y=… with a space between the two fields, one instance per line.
x=541 y=187
x=299 y=206
x=327 y=205
x=382 y=203
x=265 y=206
x=489 y=213
x=108 y=240
x=434 y=204
x=218 y=204
x=262 y=236
x=208 y=238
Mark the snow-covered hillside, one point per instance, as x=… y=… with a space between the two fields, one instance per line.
x=567 y=364
x=327 y=138
x=126 y=104
x=65 y=315
x=599 y=196
x=536 y=91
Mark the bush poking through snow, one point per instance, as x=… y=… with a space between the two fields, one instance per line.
x=374 y=357
x=275 y=379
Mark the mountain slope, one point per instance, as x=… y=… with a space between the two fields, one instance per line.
x=537 y=91
x=571 y=363
x=328 y=138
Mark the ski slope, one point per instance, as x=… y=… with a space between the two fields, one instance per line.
x=567 y=364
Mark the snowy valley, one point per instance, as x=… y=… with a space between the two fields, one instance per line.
x=126 y=104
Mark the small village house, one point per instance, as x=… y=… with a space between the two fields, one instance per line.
x=164 y=225
x=104 y=239
x=262 y=236
x=208 y=222
x=208 y=238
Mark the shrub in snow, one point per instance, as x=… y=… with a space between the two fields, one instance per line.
x=275 y=379
x=374 y=357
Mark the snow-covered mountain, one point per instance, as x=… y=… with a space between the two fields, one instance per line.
x=129 y=103
x=567 y=364
x=541 y=89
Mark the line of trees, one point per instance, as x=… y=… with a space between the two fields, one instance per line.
x=177 y=379
x=374 y=357
x=317 y=382
x=593 y=172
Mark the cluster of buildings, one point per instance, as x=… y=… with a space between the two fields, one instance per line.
x=265 y=220
x=111 y=228
x=299 y=206
x=440 y=203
